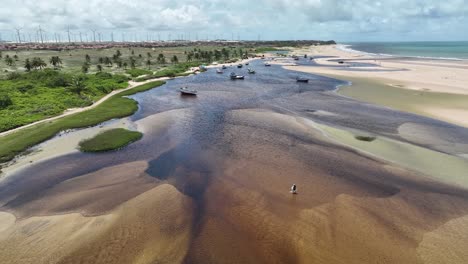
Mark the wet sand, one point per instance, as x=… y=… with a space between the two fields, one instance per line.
x=209 y=183
x=434 y=88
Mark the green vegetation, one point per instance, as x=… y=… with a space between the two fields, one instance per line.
x=32 y=96
x=110 y=140
x=365 y=138
x=138 y=72
x=115 y=107
x=170 y=71
x=265 y=49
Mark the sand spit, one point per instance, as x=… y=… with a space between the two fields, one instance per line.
x=424 y=76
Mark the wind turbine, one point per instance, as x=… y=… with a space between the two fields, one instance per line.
x=19 y=34
x=40 y=31
x=68 y=32
x=94 y=34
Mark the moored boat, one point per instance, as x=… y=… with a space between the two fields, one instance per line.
x=224 y=67
x=219 y=71
x=302 y=79
x=236 y=77
x=187 y=91
x=239 y=65
x=267 y=64
x=251 y=71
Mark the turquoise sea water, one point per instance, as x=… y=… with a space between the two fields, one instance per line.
x=445 y=49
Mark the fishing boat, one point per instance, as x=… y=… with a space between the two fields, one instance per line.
x=246 y=63
x=302 y=79
x=224 y=67
x=236 y=77
x=239 y=65
x=187 y=91
x=251 y=71
x=219 y=71
x=267 y=64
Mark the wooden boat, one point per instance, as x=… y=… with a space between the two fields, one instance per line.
x=219 y=71
x=236 y=77
x=239 y=65
x=251 y=71
x=302 y=79
x=187 y=91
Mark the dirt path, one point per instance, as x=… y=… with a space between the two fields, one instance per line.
x=131 y=85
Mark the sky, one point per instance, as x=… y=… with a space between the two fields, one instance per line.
x=340 y=20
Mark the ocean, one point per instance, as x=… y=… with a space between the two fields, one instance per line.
x=430 y=49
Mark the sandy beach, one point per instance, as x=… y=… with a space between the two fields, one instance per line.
x=427 y=77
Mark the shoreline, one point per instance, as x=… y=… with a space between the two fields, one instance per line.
x=416 y=87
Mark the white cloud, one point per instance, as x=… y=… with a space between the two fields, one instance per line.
x=339 y=19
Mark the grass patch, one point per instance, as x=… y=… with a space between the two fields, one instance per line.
x=115 y=107
x=174 y=70
x=138 y=72
x=112 y=139
x=365 y=138
x=41 y=94
x=265 y=49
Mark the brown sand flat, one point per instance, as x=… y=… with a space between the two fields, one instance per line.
x=142 y=230
x=90 y=194
x=334 y=219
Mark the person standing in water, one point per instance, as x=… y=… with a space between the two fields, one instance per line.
x=294 y=189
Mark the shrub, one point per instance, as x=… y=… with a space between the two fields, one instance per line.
x=5 y=101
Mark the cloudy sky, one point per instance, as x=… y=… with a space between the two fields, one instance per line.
x=341 y=20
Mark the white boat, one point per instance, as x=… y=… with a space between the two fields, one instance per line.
x=236 y=77
x=251 y=71
x=187 y=91
x=219 y=71
x=267 y=64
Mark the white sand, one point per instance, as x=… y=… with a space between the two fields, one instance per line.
x=433 y=75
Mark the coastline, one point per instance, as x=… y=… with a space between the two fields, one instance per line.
x=433 y=88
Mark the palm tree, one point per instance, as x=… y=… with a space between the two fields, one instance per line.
x=108 y=61
x=148 y=63
x=55 y=61
x=149 y=55
x=174 y=59
x=125 y=65
x=38 y=63
x=101 y=60
x=161 y=59
x=77 y=85
x=132 y=63
x=85 y=67
x=99 y=67
x=189 y=56
x=9 y=61
x=87 y=58
x=15 y=57
x=27 y=65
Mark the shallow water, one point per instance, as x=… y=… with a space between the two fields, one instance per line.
x=238 y=139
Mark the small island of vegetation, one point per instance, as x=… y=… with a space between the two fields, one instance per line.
x=109 y=140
